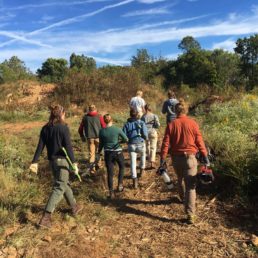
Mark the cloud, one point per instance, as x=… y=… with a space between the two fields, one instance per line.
x=8 y=16
x=71 y=20
x=154 y=11
x=44 y=5
x=228 y=45
x=150 y=1
x=21 y=38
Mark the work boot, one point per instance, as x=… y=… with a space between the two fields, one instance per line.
x=45 y=221
x=76 y=209
x=135 y=183
x=120 y=188
x=111 y=195
x=191 y=219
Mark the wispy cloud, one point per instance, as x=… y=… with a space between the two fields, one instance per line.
x=21 y=38
x=153 y=11
x=7 y=16
x=228 y=45
x=71 y=20
x=44 y=5
x=150 y=1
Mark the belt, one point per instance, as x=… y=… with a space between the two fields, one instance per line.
x=183 y=154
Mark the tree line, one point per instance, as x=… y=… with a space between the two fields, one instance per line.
x=194 y=66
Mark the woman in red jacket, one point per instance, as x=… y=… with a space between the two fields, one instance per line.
x=185 y=140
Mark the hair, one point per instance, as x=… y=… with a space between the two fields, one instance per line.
x=56 y=113
x=92 y=107
x=181 y=107
x=171 y=94
x=147 y=107
x=107 y=118
x=134 y=113
x=139 y=93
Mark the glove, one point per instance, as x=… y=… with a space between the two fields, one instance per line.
x=206 y=161
x=83 y=139
x=34 y=168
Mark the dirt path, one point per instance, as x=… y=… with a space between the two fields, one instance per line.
x=147 y=222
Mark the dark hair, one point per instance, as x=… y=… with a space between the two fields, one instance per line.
x=171 y=94
x=107 y=118
x=56 y=113
x=147 y=107
x=134 y=113
x=181 y=107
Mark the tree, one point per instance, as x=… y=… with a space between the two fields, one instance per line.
x=194 y=67
x=227 y=67
x=247 y=49
x=189 y=43
x=141 y=59
x=82 y=63
x=53 y=70
x=13 y=69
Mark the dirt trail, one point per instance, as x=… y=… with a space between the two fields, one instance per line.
x=147 y=222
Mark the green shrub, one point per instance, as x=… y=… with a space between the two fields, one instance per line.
x=228 y=129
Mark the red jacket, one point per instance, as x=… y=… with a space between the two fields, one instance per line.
x=184 y=136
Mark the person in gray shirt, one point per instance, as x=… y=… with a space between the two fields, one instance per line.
x=152 y=123
x=169 y=106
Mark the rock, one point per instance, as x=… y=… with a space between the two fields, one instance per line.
x=47 y=239
x=254 y=240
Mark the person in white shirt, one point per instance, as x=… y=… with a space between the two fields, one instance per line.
x=137 y=103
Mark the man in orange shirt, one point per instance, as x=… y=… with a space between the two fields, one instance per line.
x=185 y=139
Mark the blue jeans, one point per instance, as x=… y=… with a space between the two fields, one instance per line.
x=134 y=149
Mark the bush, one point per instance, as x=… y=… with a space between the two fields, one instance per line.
x=229 y=128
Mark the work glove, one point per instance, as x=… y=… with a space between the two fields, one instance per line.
x=83 y=139
x=34 y=168
x=206 y=161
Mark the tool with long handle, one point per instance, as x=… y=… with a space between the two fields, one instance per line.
x=70 y=163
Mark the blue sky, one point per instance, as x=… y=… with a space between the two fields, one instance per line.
x=112 y=30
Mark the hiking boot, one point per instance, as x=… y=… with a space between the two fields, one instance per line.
x=111 y=195
x=120 y=188
x=191 y=219
x=45 y=221
x=76 y=209
x=135 y=183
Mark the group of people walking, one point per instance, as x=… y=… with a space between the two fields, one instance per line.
x=182 y=140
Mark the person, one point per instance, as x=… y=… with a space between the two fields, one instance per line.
x=89 y=129
x=185 y=139
x=110 y=139
x=137 y=103
x=55 y=135
x=152 y=122
x=169 y=107
x=136 y=132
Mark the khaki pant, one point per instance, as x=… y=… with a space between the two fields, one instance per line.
x=151 y=145
x=93 y=144
x=186 y=170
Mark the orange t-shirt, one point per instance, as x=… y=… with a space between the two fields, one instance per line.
x=183 y=136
